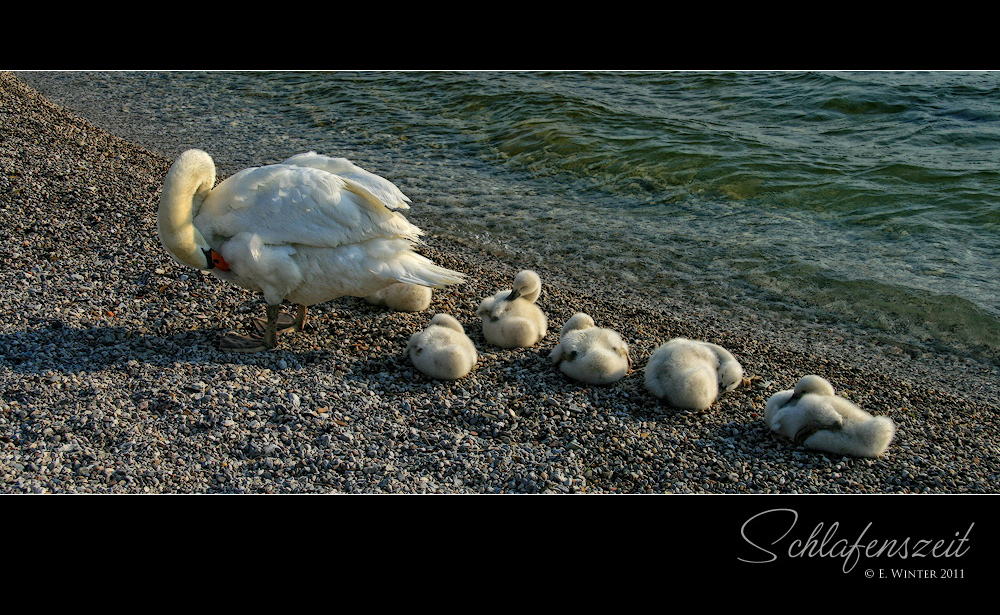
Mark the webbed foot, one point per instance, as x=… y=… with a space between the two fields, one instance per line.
x=232 y=342
x=284 y=323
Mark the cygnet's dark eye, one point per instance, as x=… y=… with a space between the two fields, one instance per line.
x=493 y=319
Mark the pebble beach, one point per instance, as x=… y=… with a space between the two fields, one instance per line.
x=112 y=381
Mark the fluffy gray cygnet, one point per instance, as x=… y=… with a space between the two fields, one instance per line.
x=442 y=351
x=402 y=297
x=691 y=374
x=510 y=317
x=813 y=415
x=589 y=353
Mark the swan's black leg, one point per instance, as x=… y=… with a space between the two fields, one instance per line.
x=267 y=330
x=300 y=318
x=271 y=328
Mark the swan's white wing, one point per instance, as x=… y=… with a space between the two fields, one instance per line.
x=849 y=410
x=379 y=187
x=807 y=415
x=286 y=205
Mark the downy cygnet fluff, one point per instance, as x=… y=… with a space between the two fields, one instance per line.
x=510 y=317
x=308 y=230
x=589 y=353
x=691 y=374
x=442 y=351
x=402 y=297
x=813 y=415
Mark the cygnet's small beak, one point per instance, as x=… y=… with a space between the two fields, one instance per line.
x=514 y=294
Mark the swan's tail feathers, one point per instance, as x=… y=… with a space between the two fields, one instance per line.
x=877 y=434
x=414 y=268
x=869 y=438
x=432 y=275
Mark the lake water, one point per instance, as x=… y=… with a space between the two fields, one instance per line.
x=866 y=199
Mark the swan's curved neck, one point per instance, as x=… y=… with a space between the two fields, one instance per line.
x=528 y=290
x=530 y=294
x=186 y=186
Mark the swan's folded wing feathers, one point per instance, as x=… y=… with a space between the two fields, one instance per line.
x=374 y=205
x=383 y=190
x=299 y=205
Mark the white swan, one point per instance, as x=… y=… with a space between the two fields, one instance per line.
x=294 y=231
x=812 y=414
x=510 y=317
x=402 y=297
x=442 y=350
x=589 y=353
x=691 y=374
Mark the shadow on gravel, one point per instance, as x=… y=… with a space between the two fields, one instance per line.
x=59 y=348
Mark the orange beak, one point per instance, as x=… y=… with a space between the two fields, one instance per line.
x=217 y=261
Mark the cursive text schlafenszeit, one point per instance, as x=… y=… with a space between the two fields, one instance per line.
x=822 y=543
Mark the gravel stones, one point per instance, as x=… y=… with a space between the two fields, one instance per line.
x=110 y=380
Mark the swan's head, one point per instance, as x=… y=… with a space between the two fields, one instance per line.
x=610 y=340
x=448 y=321
x=622 y=351
x=214 y=260
x=811 y=384
x=730 y=375
x=190 y=179
x=413 y=346
x=527 y=286
x=578 y=321
x=486 y=310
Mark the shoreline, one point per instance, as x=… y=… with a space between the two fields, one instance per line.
x=114 y=385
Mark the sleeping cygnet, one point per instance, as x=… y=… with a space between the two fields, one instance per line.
x=691 y=374
x=402 y=297
x=589 y=353
x=442 y=351
x=510 y=317
x=813 y=415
